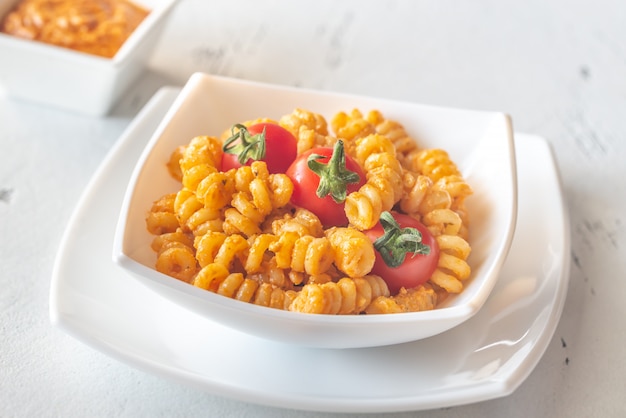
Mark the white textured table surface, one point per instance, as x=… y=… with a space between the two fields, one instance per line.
x=558 y=67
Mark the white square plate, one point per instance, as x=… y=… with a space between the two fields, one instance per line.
x=486 y=357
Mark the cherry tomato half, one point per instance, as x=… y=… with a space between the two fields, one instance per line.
x=306 y=183
x=262 y=141
x=415 y=268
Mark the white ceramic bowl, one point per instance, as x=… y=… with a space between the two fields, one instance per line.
x=481 y=143
x=73 y=80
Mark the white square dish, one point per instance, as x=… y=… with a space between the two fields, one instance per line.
x=481 y=143
x=73 y=80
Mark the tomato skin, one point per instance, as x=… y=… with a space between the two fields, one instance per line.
x=415 y=270
x=305 y=184
x=280 y=149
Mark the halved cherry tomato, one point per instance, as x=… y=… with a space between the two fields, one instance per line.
x=338 y=174
x=262 y=141
x=406 y=259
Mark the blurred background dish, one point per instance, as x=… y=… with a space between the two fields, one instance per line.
x=83 y=63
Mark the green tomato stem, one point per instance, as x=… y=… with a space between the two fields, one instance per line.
x=334 y=176
x=248 y=147
x=397 y=242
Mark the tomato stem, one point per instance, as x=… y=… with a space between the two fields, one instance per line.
x=334 y=176
x=248 y=147
x=396 y=242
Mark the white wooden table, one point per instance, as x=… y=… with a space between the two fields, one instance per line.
x=557 y=67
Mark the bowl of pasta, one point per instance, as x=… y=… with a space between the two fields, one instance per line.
x=77 y=55
x=320 y=219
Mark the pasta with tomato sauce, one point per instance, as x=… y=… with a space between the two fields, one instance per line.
x=237 y=232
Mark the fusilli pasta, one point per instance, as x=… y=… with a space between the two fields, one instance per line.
x=310 y=129
x=236 y=232
x=384 y=185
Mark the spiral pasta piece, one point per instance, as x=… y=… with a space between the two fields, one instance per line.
x=442 y=221
x=202 y=183
x=255 y=200
x=434 y=163
x=207 y=246
x=302 y=117
x=193 y=216
x=457 y=189
x=351 y=126
x=217 y=279
x=416 y=299
x=377 y=155
x=302 y=222
x=384 y=184
x=200 y=157
x=404 y=144
x=161 y=217
x=373 y=144
x=269 y=272
x=346 y=296
x=173 y=164
x=421 y=196
x=304 y=254
x=175 y=255
x=452 y=267
x=310 y=129
x=216 y=190
x=219 y=248
x=257 y=248
x=266 y=256
x=446 y=190
x=353 y=251
x=437 y=165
